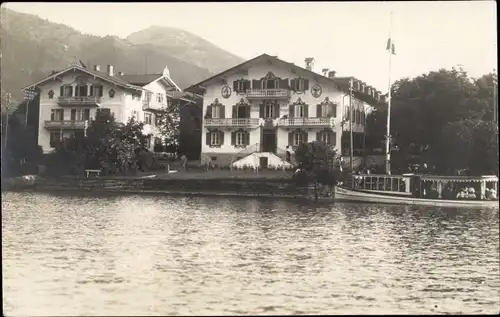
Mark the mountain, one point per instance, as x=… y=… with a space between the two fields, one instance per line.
x=32 y=47
x=185 y=45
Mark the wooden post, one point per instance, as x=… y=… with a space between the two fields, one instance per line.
x=440 y=189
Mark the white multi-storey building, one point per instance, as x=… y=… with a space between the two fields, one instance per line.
x=264 y=105
x=70 y=98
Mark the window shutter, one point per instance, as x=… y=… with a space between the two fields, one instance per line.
x=284 y=83
x=86 y=114
x=221 y=137
x=306 y=84
x=305 y=136
x=91 y=92
x=290 y=138
x=276 y=110
x=246 y=84
x=292 y=84
x=85 y=90
x=207 y=141
x=334 y=138
x=71 y=90
x=100 y=91
x=290 y=111
x=261 y=111
x=62 y=91
x=62 y=115
x=209 y=112
x=306 y=111
x=233 y=138
x=73 y=114
x=330 y=140
x=247 y=112
x=334 y=110
x=318 y=136
x=52 y=115
x=247 y=137
x=256 y=84
x=235 y=113
x=235 y=86
x=318 y=111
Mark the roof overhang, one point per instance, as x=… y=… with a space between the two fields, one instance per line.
x=75 y=68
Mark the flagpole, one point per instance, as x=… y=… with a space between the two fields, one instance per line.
x=388 y=135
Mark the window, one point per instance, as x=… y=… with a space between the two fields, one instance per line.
x=104 y=111
x=81 y=91
x=240 y=138
x=111 y=93
x=299 y=137
x=159 y=97
x=215 y=112
x=157 y=120
x=51 y=94
x=96 y=90
x=135 y=115
x=57 y=115
x=241 y=86
x=242 y=112
x=269 y=110
x=214 y=138
x=270 y=83
x=67 y=91
x=148 y=118
x=328 y=110
x=327 y=137
x=299 y=111
x=80 y=114
x=54 y=138
x=299 y=84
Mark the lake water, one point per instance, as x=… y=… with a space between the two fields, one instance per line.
x=149 y=255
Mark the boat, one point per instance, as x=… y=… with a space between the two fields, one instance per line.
x=422 y=190
x=410 y=189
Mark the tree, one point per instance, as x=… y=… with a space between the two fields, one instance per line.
x=425 y=111
x=316 y=162
x=169 y=126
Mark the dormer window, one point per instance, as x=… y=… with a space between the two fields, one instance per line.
x=51 y=94
x=111 y=93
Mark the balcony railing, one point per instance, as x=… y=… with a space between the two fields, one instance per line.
x=300 y=122
x=268 y=93
x=65 y=124
x=79 y=101
x=152 y=105
x=232 y=122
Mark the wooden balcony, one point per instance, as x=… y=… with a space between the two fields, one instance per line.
x=153 y=105
x=305 y=122
x=268 y=93
x=232 y=122
x=65 y=124
x=79 y=101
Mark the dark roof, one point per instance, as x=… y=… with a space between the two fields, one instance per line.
x=140 y=80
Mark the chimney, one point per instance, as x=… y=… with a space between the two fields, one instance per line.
x=111 y=70
x=97 y=68
x=309 y=63
x=121 y=73
x=325 y=71
x=331 y=74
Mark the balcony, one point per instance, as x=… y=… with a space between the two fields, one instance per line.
x=152 y=105
x=79 y=101
x=268 y=93
x=65 y=124
x=232 y=122
x=306 y=122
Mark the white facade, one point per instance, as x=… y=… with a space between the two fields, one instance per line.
x=228 y=136
x=67 y=111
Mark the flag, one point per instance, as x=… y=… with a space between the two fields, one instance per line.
x=390 y=46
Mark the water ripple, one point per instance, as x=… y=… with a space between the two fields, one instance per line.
x=132 y=255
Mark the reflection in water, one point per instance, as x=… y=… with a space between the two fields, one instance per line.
x=115 y=255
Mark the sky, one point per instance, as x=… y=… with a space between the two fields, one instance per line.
x=348 y=37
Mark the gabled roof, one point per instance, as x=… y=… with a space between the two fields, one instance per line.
x=339 y=82
x=102 y=75
x=273 y=58
x=140 y=80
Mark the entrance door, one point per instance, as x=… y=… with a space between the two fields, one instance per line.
x=263 y=162
x=269 y=141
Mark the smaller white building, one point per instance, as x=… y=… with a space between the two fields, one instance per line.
x=70 y=98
